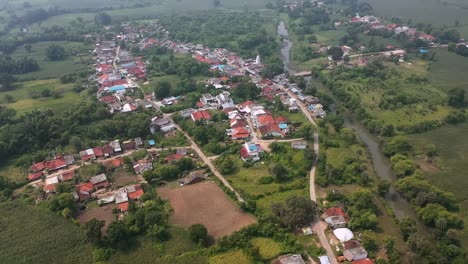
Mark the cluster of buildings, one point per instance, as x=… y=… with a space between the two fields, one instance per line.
x=300 y=4
x=353 y=251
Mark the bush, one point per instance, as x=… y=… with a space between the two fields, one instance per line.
x=198 y=233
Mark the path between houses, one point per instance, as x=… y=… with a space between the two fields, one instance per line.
x=317 y=225
x=208 y=162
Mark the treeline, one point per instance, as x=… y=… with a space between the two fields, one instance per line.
x=83 y=125
x=17 y=66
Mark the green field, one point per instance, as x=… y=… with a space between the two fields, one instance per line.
x=43 y=238
x=235 y=256
x=449 y=71
x=450 y=175
x=53 y=69
x=267 y=247
x=26 y=92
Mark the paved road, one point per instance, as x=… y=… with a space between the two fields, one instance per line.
x=208 y=162
x=317 y=225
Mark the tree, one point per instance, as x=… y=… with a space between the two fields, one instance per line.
x=46 y=93
x=198 y=233
x=407 y=227
x=6 y=80
x=404 y=168
x=55 y=52
x=335 y=52
x=307 y=131
x=295 y=212
x=279 y=172
x=162 y=89
x=65 y=200
x=103 y=19
x=28 y=48
x=226 y=165
x=158 y=233
x=117 y=235
x=8 y=99
x=93 y=231
x=456 y=97
x=430 y=150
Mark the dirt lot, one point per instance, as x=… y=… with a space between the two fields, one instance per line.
x=205 y=203
x=100 y=213
x=122 y=178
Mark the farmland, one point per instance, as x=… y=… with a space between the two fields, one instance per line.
x=53 y=69
x=203 y=202
x=27 y=96
x=452 y=163
x=44 y=238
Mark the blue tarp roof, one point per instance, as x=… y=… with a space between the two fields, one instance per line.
x=117 y=88
x=283 y=126
x=151 y=142
x=423 y=51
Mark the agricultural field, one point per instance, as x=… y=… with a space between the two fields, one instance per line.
x=267 y=247
x=235 y=256
x=27 y=96
x=449 y=170
x=201 y=203
x=44 y=238
x=99 y=212
x=53 y=69
x=449 y=71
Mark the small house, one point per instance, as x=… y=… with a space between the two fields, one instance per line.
x=299 y=145
x=129 y=145
x=250 y=152
x=108 y=151
x=84 y=190
x=121 y=196
x=173 y=158
x=194 y=177
x=337 y=221
x=116 y=146
x=35 y=176
x=324 y=259
x=139 y=142
x=353 y=250
x=289 y=259
x=51 y=184
x=67 y=176
x=142 y=166
x=363 y=261
x=99 y=181
x=201 y=115
x=134 y=192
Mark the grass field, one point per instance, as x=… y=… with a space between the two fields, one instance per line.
x=53 y=69
x=449 y=71
x=267 y=247
x=264 y=204
x=43 y=238
x=452 y=146
x=25 y=91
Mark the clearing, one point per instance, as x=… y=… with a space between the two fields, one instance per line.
x=205 y=203
x=100 y=213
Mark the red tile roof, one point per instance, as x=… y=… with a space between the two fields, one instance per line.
x=85 y=187
x=173 y=157
x=113 y=83
x=265 y=120
x=244 y=153
x=103 y=184
x=270 y=128
x=38 y=166
x=240 y=133
x=246 y=103
x=224 y=78
x=68 y=175
x=123 y=206
x=56 y=164
x=98 y=152
x=109 y=99
x=50 y=188
x=201 y=115
x=137 y=193
x=35 y=176
x=335 y=211
x=117 y=162
x=281 y=119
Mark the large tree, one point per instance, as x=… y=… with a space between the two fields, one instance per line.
x=335 y=52
x=456 y=97
x=198 y=233
x=162 y=89
x=103 y=19
x=295 y=211
x=93 y=230
x=55 y=52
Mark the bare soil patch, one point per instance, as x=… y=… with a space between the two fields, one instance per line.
x=426 y=165
x=122 y=178
x=100 y=213
x=205 y=203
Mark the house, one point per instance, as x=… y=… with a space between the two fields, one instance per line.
x=108 y=151
x=201 y=115
x=162 y=124
x=208 y=100
x=35 y=176
x=194 y=177
x=353 y=250
x=334 y=211
x=98 y=153
x=134 y=192
x=271 y=130
x=239 y=133
x=38 y=166
x=186 y=113
x=69 y=159
x=139 y=142
x=363 y=261
x=84 y=190
x=335 y=222
x=289 y=259
x=87 y=155
x=129 y=145
x=116 y=146
x=299 y=145
x=121 y=196
x=123 y=207
x=251 y=152
x=51 y=184
x=67 y=176
x=142 y=166
x=224 y=100
x=173 y=158
x=99 y=181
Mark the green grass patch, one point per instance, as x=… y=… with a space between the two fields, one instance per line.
x=235 y=256
x=264 y=204
x=449 y=71
x=52 y=69
x=10 y=171
x=267 y=247
x=43 y=238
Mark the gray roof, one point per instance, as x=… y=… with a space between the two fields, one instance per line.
x=98 y=178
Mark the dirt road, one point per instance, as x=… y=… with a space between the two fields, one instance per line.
x=208 y=162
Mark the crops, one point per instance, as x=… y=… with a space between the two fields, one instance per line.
x=33 y=235
x=236 y=256
x=267 y=247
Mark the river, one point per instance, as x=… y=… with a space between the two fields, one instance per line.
x=381 y=163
